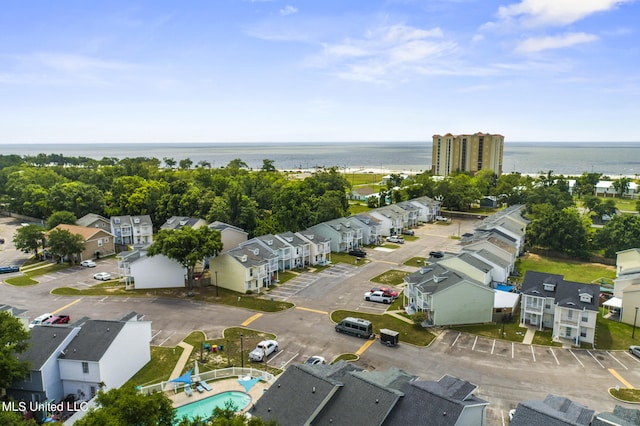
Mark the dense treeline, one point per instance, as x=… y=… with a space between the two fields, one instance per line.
x=56 y=188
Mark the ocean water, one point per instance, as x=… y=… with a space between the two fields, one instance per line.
x=568 y=158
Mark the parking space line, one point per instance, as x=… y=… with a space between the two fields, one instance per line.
x=619 y=377
x=474 y=343
x=554 y=356
x=165 y=340
x=251 y=319
x=533 y=354
x=493 y=346
x=284 y=364
x=365 y=347
x=455 y=340
x=618 y=361
x=66 y=306
x=312 y=310
x=595 y=359
x=154 y=336
x=577 y=359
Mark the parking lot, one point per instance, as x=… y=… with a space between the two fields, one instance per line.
x=456 y=343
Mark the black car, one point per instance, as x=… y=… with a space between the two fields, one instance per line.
x=8 y=269
x=358 y=252
x=436 y=254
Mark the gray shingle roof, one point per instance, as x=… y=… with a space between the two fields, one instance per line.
x=553 y=411
x=621 y=416
x=434 y=403
x=93 y=340
x=43 y=343
x=486 y=254
x=566 y=293
x=299 y=393
x=434 y=278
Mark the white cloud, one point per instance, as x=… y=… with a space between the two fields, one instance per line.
x=384 y=53
x=288 y=10
x=537 y=13
x=76 y=63
x=537 y=44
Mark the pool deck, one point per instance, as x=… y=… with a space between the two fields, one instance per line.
x=218 y=386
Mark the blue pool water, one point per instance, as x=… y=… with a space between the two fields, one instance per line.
x=204 y=407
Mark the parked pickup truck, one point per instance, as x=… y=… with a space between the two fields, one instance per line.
x=263 y=349
x=377 y=296
x=57 y=319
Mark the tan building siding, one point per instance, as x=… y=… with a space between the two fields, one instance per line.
x=469 y=153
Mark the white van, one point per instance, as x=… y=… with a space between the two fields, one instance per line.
x=39 y=320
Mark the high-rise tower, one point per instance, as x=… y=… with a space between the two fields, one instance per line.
x=467 y=153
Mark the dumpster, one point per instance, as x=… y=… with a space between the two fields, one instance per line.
x=389 y=337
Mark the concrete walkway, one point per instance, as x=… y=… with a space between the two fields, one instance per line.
x=528 y=337
x=400 y=317
x=182 y=361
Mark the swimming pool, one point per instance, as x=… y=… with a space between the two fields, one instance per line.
x=204 y=407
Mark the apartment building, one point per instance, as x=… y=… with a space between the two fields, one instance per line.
x=467 y=153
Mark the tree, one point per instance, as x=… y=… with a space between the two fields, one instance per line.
x=621 y=186
x=565 y=230
x=267 y=166
x=14 y=418
x=29 y=238
x=586 y=184
x=187 y=246
x=169 y=162
x=64 y=244
x=62 y=216
x=127 y=406
x=620 y=233
x=185 y=164
x=77 y=197
x=13 y=341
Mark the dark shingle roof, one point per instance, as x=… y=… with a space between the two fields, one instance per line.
x=566 y=293
x=436 y=403
x=299 y=393
x=44 y=342
x=621 y=416
x=93 y=340
x=553 y=411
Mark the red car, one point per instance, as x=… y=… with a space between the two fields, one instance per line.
x=58 y=319
x=387 y=291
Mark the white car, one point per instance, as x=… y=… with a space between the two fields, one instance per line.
x=88 y=263
x=395 y=239
x=263 y=349
x=315 y=360
x=378 y=296
x=103 y=276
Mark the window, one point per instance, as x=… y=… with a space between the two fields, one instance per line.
x=583 y=333
x=569 y=314
x=93 y=391
x=547 y=306
x=85 y=367
x=99 y=243
x=106 y=240
x=585 y=318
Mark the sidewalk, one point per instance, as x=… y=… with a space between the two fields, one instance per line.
x=400 y=317
x=528 y=337
x=177 y=370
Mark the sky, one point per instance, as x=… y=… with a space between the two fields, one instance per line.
x=311 y=71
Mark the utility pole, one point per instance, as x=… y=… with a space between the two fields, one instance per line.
x=633 y=334
x=241 y=351
x=216 y=283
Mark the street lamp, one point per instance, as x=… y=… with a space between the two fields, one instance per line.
x=241 y=350
x=633 y=334
x=216 y=283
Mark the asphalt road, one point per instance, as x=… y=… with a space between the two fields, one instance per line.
x=505 y=372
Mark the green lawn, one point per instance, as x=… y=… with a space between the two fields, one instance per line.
x=392 y=277
x=512 y=331
x=614 y=335
x=544 y=338
x=358 y=207
x=572 y=270
x=626 y=394
x=347 y=258
x=417 y=261
x=21 y=281
x=409 y=333
x=163 y=361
